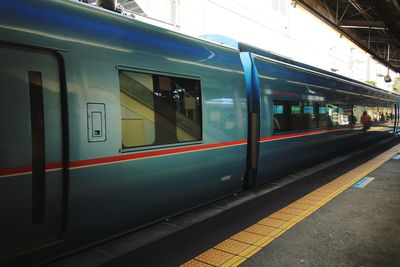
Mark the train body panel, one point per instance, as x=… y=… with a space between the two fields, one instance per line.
x=160 y=189
x=104 y=181
x=116 y=124
x=281 y=84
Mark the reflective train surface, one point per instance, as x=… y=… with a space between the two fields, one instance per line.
x=110 y=124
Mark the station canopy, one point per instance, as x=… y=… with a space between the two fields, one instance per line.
x=374 y=25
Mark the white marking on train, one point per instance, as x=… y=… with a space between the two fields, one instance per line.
x=226 y=178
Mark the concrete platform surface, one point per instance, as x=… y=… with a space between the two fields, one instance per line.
x=359 y=227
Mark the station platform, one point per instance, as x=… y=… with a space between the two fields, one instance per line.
x=345 y=212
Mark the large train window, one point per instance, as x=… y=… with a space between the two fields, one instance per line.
x=304 y=115
x=335 y=115
x=382 y=116
x=158 y=109
x=294 y=115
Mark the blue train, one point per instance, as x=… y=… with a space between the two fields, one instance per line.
x=110 y=124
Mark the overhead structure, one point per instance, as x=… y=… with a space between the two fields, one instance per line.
x=128 y=5
x=374 y=25
x=107 y=4
x=132 y=6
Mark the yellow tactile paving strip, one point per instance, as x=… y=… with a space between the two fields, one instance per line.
x=241 y=246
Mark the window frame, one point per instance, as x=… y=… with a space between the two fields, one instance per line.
x=122 y=149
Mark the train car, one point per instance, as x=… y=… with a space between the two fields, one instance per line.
x=303 y=115
x=111 y=124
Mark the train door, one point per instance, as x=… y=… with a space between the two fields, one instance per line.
x=31 y=168
x=253 y=95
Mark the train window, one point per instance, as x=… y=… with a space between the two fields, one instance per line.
x=296 y=115
x=378 y=114
x=310 y=115
x=158 y=109
x=299 y=115
x=324 y=119
x=281 y=116
x=357 y=113
x=346 y=115
x=334 y=115
x=303 y=115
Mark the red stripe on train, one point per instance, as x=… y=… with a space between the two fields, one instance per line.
x=291 y=135
x=16 y=170
x=28 y=169
x=149 y=154
x=127 y=157
x=53 y=166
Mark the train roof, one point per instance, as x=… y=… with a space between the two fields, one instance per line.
x=67 y=26
x=155 y=24
x=268 y=54
x=367 y=90
x=332 y=81
x=68 y=14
